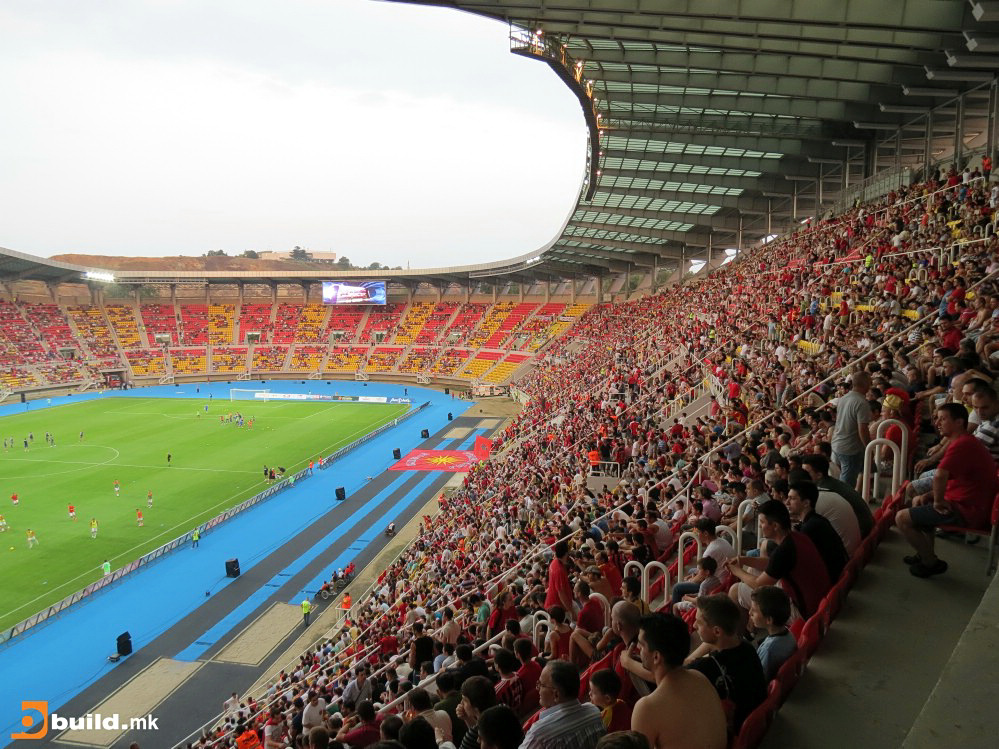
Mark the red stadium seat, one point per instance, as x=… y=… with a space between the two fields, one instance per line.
x=991 y=533
x=755 y=727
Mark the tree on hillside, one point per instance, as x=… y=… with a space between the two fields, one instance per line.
x=375 y=266
x=251 y=254
x=300 y=254
x=215 y=253
x=343 y=263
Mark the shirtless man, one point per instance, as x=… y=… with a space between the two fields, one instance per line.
x=684 y=711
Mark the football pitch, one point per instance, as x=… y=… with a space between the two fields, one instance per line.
x=214 y=465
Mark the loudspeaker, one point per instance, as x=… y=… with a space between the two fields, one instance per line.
x=447 y=391
x=341 y=494
x=124 y=644
x=425 y=434
x=23 y=399
x=232 y=568
x=450 y=416
x=397 y=454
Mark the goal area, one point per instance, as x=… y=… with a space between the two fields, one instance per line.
x=245 y=394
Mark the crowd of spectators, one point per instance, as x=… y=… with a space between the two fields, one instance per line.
x=517 y=555
x=489 y=629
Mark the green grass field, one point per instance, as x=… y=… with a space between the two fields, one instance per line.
x=214 y=466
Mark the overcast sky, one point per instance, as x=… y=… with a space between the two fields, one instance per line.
x=380 y=131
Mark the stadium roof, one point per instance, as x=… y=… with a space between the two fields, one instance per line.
x=722 y=121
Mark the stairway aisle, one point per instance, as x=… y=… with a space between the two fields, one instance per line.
x=884 y=652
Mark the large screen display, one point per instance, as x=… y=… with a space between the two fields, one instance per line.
x=360 y=292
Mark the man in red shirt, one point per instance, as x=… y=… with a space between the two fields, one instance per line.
x=948 y=335
x=362 y=734
x=589 y=624
x=964 y=487
x=559 y=592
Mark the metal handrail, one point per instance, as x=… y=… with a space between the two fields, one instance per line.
x=869 y=460
x=680 y=551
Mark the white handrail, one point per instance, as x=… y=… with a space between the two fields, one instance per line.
x=869 y=459
x=745 y=507
x=883 y=429
x=656 y=565
x=735 y=538
x=680 y=551
x=641 y=575
x=604 y=604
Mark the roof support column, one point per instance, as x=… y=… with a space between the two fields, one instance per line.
x=794 y=209
x=770 y=216
x=898 y=149
x=572 y=289
x=711 y=238
x=208 y=293
x=305 y=293
x=990 y=138
x=928 y=145
x=959 y=133
x=548 y=291
x=599 y=281
x=819 y=192
x=520 y=291
x=655 y=274
x=466 y=289
x=739 y=236
x=173 y=296
x=494 y=293
x=239 y=292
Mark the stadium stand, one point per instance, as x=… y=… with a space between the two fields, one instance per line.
x=466 y=320
x=228 y=360
x=481 y=363
x=310 y=323
x=255 y=318
x=450 y=361
x=437 y=322
x=383 y=359
x=94 y=331
x=146 y=363
x=52 y=326
x=502 y=371
x=722 y=331
x=491 y=322
x=189 y=361
x=343 y=322
x=220 y=323
x=122 y=319
x=160 y=319
x=382 y=321
x=21 y=346
x=286 y=321
x=412 y=324
x=269 y=358
x=306 y=358
x=346 y=358
x=417 y=360
x=193 y=324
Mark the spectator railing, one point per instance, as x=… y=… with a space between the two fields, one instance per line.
x=870 y=459
x=686 y=536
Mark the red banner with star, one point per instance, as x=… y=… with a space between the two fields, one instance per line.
x=452 y=461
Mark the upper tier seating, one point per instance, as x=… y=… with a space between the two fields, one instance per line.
x=160 y=319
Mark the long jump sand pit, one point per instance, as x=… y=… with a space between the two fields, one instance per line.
x=136 y=698
x=265 y=633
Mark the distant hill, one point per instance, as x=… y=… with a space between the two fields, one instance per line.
x=184 y=262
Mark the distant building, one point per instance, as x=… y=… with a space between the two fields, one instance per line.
x=318 y=257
